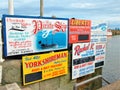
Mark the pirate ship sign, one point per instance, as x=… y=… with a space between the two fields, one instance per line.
x=48 y=31
x=27 y=34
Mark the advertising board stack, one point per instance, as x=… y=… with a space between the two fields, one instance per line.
x=43 y=45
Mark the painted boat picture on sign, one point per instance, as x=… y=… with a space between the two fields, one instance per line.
x=24 y=35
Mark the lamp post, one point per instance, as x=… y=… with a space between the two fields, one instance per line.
x=41 y=8
x=10 y=7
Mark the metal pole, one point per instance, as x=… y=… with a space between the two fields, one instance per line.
x=11 y=7
x=41 y=8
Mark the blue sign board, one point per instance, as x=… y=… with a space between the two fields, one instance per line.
x=27 y=34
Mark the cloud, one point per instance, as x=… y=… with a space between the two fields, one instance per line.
x=84 y=9
x=83 y=5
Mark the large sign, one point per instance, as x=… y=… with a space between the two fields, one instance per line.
x=99 y=32
x=44 y=66
x=23 y=34
x=83 y=58
x=100 y=54
x=79 y=30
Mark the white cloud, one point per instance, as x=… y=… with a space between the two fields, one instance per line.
x=83 y=5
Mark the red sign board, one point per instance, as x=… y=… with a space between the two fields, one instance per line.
x=79 y=30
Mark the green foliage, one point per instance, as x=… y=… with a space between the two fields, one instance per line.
x=115 y=32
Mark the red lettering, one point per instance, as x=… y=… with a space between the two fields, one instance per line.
x=35 y=70
x=37 y=26
x=62 y=71
x=76 y=22
x=92 y=46
x=27 y=65
x=55 y=73
x=99 y=47
x=83 y=65
x=22 y=44
x=76 y=67
x=33 y=64
x=89 y=63
x=78 y=50
x=59 y=26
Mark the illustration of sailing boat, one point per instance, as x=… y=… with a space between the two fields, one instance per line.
x=17 y=27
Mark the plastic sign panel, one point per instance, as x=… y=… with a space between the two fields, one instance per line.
x=100 y=54
x=79 y=30
x=23 y=34
x=99 y=32
x=83 y=59
x=44 y=66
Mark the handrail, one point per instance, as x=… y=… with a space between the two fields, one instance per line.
x=89 y=80
x=86 y=81
x=106 y=80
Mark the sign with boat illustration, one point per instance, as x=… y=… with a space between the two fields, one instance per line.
x=83 y=59
x=99 y=32
x=100 y=54
x=44 y=66
x=27 y=34
x=79 y=30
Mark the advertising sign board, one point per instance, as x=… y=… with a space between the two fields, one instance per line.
x=83 y=59
x=100 y=54
x=79 y=30
x=44 y=66
x=99 y=32
x=27 y=34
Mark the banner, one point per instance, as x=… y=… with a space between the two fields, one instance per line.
x=79 y=30
x=83 y=59
x=99 y=32
x=24 y=35
x=44 y=66
x=100 y=54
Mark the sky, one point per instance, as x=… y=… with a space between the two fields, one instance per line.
x=105 y=10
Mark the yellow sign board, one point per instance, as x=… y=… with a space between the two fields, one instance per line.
x=44 y=66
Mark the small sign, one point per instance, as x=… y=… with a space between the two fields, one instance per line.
x=83 y=59
x=100 y=54
x=44 y=66
x=99 y=32
x=79 y=30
